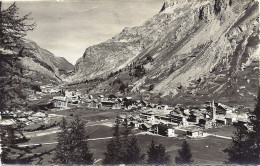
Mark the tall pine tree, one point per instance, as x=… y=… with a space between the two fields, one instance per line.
x=72 y=144
x=13 y=29
x=62 y=153
x=245 y=147
x=80 y=153
x=113 y=154
x=157 y=154
x=184 y=156
x=134 y=153
x=237 y=152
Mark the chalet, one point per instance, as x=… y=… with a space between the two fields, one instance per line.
x=242 y=118
x=134 y=118
x=101 y=97
x=147 y=116
x=122 y=118
x=162 y=107
x=223 y=109
x=230 y=119
x=128 y=98
x=111 y=104
x=112 y=97
x=207 y=104
x=39 y=114
x=193 y=118
x=164 y=130
x=150 y=105
x=46 y=88
x=178 y=117
x=162 y=115
x=59 y=102
x=73 y=96
x=145 y=126
x=95 y=104
x=135 y=124
x=187 y=112
x=221 y=120
x=194 y=133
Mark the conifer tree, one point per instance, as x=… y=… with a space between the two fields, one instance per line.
x=185 y=155
x=79 y=149
x=12 y=82
x=245 y=148
x=62 y=153
x=72 y=145
x=237 y=151
x=125 y=135
x=134 y=154
x=157 y=154
x=113 y=154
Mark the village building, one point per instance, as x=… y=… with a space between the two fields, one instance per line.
x=194 y=133
x=220 y=120
x=243 y=118
x=145 y=126
x=230 y=119
x=59 y=102
x=178 y=117
x=147 y=116
x=164 y=130
x=95 y=104
x=111 y=104
x=223 y=109
x=112 y=97
x=134 y=124
x=162 y=107
x=101 y=97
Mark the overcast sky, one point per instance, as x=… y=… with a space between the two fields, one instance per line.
x=67 y=28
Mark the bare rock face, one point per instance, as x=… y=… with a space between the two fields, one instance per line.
x=214 y=41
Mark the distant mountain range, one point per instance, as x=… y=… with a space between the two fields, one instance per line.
x=189 y=47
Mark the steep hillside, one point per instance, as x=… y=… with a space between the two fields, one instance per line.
x=195 y=48
x=40 y=63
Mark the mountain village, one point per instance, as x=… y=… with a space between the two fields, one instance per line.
x=151 y=117
x=181 y=88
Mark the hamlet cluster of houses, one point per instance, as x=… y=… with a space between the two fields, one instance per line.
x=164 y=120
x=26 y=117
x=159 y=118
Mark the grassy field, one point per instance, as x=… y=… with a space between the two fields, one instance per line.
x=227 y=131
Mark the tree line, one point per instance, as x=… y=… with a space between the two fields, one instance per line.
x=122 y=148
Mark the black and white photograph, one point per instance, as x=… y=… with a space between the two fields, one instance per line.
x=129 y=82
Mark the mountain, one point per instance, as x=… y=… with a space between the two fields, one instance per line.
x=202 y=48
x=40 y=64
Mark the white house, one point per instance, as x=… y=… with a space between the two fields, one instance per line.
x=59 y=102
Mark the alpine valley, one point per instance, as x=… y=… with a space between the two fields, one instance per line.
x=189 y=50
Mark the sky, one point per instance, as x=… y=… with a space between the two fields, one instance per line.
x=66 y=28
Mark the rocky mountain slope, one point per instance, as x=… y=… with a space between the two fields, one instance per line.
x=201 y=47
x=42 y=64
